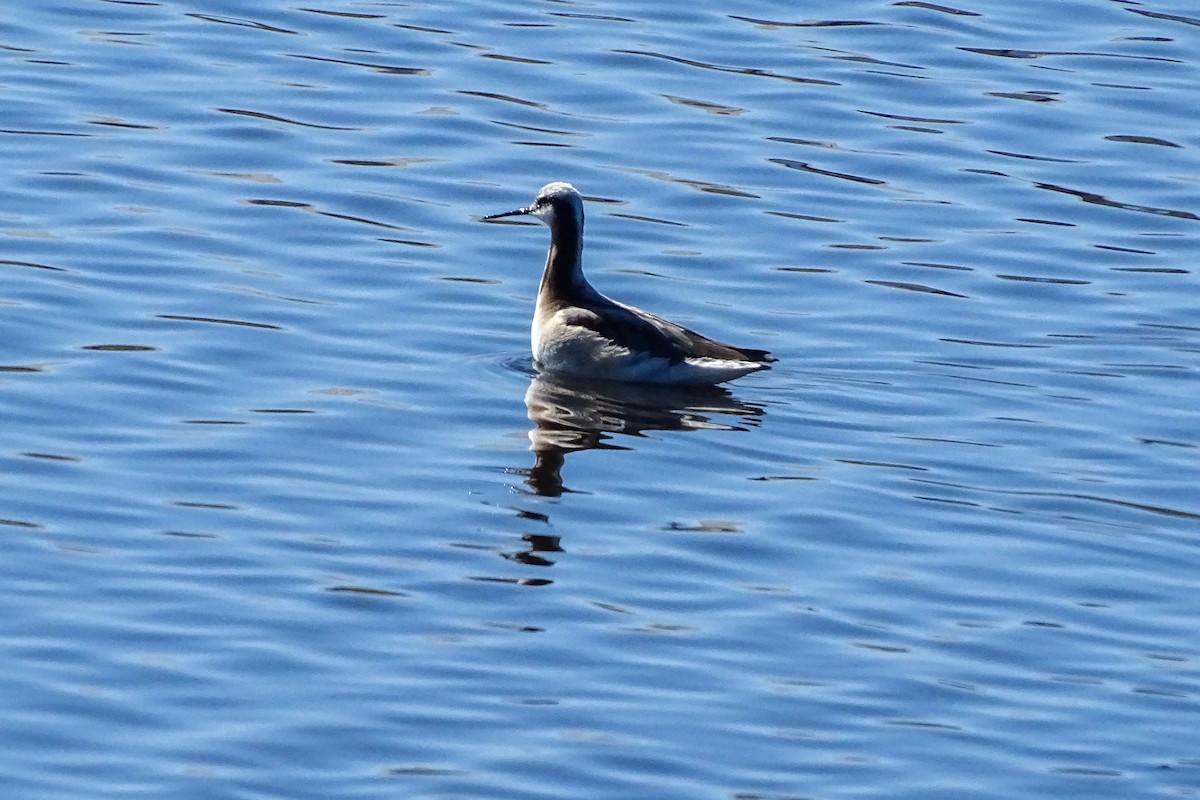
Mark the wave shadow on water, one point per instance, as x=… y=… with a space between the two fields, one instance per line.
x=571 y=415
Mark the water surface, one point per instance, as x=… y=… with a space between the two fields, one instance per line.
x=286 y=511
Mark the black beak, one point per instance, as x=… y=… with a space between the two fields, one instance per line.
x=514 y=213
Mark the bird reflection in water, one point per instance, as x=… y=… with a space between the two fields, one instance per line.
x=570 y=414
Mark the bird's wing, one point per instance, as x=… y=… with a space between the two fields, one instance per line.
x=642 y=331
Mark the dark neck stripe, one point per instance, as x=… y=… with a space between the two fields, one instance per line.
x=563 y=277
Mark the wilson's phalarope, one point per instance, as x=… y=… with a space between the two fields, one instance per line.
x=578 y=331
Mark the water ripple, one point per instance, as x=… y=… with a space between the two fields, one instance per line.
x=752 y=71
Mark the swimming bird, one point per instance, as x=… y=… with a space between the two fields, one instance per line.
x=578 y=331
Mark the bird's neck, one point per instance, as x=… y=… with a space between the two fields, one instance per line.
x=563 y=279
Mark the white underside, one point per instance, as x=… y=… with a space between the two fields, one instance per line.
x=582 y=352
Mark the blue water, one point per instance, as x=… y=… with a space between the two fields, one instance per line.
x=287 y=513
